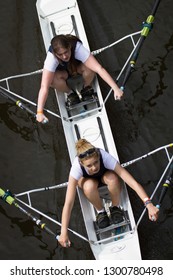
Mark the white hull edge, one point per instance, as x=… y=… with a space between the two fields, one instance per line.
x=64 y=17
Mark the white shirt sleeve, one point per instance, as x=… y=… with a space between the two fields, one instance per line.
x=81 y=53
x=108 y=160
x=51 y=62
x=76 y=171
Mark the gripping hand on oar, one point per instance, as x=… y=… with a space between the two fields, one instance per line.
x=118 y=93
x=41 y=117
x=153 y=212
x=64 y=240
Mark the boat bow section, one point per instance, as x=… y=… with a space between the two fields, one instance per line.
x=60 y=17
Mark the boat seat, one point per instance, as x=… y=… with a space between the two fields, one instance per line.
x=104 y=193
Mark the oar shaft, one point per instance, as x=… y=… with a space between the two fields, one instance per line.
x=155 y=7
x=56 y=222
x=16 y=96
x=6 y=196
x=148 y=24
x=22 y=106
x=168 y=182
x=17 y=102
x=37 y=221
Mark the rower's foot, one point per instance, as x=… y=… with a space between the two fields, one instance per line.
x=102 y=220
x=117 y=215
x=72 y=99
x=87 y=93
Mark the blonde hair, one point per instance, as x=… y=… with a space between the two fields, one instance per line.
x=82 y=146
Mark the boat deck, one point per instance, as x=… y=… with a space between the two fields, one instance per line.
x=88 y=120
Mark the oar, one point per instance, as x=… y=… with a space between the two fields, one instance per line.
x=156 y=188
x=147 y=26
x=21 y=97
x=168 y=183
x=7 y=197
x=17 y=102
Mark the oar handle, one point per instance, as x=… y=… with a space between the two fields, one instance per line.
x=48 y=230
x=24 y=107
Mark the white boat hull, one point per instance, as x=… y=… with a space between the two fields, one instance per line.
x=62 y=17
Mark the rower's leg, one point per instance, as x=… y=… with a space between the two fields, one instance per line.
x=112 y=181
x=61 y=85
x=59 y=82
x=90 y=189
x=87 y=74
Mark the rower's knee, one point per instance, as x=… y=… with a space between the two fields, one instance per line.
x=89 y=186
x=59 y=81
x=112 y=180
x=87 y=74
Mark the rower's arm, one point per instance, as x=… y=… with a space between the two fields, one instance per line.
x=131 y=182
x=47 y=78
x=66 y=213
x=95 y=66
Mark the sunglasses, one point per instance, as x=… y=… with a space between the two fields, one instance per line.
x=87 y=153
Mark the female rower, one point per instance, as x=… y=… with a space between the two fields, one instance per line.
x=91 y=168
x=67 y=58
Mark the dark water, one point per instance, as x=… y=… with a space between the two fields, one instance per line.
x=33 y=155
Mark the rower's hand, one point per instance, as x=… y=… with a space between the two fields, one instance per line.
x=118 y=94
x=64 y=241
x=153 y=212
x=41 y=118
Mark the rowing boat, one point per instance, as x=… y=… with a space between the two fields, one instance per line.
x=89 y=120
x=86 y=120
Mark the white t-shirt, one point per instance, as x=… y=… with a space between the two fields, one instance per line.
x=51 y=62
x=109 y=162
